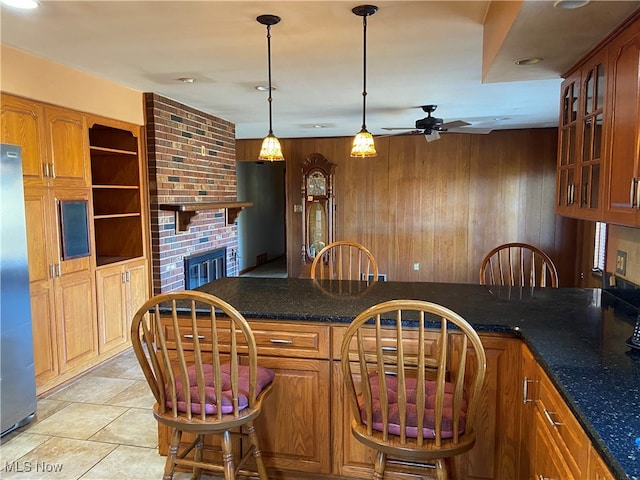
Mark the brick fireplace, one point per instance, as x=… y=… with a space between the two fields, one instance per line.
x=191 y=159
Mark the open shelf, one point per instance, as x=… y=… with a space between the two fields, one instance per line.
x=115 y=186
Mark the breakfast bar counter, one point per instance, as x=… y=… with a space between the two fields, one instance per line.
x=577 y=336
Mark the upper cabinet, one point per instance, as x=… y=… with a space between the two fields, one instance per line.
x=599 y=141
x=54 y=142
x=622 y=189
x=581 y=137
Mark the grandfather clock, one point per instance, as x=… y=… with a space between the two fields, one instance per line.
x=317 y=205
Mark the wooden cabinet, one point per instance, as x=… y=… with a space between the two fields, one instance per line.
x=121 y=290
x=553 y=444
x=581 y=140
x=495 y=454
x=528 y=397
x=22 y=123
x=294 y=427
x=85 y=205
x=622 y=192
x=62 y=293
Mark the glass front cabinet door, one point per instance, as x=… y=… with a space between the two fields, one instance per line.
x=317 y=205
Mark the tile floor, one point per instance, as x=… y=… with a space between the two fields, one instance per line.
x=99 y=427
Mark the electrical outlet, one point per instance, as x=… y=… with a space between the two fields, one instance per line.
x=416 y=266
x=621 y=262
x=297 y=208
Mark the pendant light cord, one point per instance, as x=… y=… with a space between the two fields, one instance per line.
x=364 y=71
x=269 y=99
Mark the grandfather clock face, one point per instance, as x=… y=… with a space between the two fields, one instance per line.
x=317 y=184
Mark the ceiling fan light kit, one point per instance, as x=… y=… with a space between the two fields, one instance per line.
x=271 y=149
x=363 y=145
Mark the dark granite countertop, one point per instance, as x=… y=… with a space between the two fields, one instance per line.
x=577 y=335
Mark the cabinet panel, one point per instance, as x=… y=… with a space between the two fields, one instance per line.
x=547 y=462
x=137 y=289
x=45 y=358
x=623 y=179
x=528 y=397
x=298 y=436
x=76 y=319
x=22 y=123
x=597 y=469
x=111 y=306
x=67 y=142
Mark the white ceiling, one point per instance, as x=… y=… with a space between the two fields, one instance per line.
x=420 y=52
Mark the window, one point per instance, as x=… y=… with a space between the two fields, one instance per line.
x=600 y=246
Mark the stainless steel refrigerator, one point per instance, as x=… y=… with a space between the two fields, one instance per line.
x=17 y=376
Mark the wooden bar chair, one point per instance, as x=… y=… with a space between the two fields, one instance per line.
x=413 y=384
x=344 y=260
x=199 y=357
x=518 y=264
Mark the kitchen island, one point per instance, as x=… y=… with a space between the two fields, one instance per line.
x=576 y=336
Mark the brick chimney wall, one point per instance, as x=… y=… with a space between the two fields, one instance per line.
x=192 y=158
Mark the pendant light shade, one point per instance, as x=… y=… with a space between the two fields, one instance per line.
x=271 y=149
x=363 y=145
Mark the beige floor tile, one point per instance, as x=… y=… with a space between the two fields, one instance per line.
x=47 y=407
x=136 y=427
x=78 y=420
x=137 y=395
x=116 y=367
x=59 y=459
x=14 y=448
x=92 y=389
x=131 y=463
x=134 y=373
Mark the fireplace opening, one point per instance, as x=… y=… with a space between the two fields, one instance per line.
x=204 y=268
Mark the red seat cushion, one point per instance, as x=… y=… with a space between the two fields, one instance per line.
x=411 y=429
x=264 y=378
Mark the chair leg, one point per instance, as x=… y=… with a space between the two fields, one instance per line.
x=227 y=457
x=257 y=454
x=170 y=466
x=197 y=471
x=441 y=469
x=381 y=462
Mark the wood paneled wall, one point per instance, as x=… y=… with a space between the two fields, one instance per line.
x=442 y=205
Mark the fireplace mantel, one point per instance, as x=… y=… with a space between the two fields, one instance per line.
x=186 y=211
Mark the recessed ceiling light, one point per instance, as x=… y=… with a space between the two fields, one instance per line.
x=187 y=80
x=319 y=125
x=500 y=119
x=570 y=4
x=528 y=61
x=264 y=88
x=24 y=4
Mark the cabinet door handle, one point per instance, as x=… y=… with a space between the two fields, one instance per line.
x=638 y=193
x=632 y=193
x=389 y=349
x=281 y=341
x=59 y=269
x=52 y=271
x=124 y=277
x=551 y=421
x=542 y=477
x=128 y=276
x=46 y=169
x=189 y=336
x=525 y=390
x=53 y=170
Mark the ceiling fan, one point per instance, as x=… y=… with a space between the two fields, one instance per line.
x=431 y=127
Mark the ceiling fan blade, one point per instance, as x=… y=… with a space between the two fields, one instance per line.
x=482 y=131
x=454 y=124
x=398 y=128
x=412 y=131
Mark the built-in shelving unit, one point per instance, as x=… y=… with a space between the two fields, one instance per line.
x=186 y=211
x=115 y=186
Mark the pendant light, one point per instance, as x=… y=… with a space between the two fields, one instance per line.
x=363 y=142
x=271 y=149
